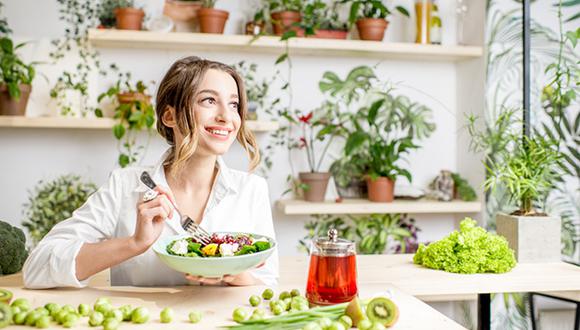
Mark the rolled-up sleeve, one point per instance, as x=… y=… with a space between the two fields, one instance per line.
x=53 y=262
x=268 y=273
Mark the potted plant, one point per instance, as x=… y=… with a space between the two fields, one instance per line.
x=183 y=13
x=133 y=112
x=257 y=25
x=106 y=13
x=15 y=79
x=370 y=17
x=383 y=133
x=319 y=21
x=54 y=201
x=284 y=14
x=211 y=20
x=127 y=16
x=527 y=168
x=317 y=127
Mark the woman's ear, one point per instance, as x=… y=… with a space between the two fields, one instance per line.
x=168 y=117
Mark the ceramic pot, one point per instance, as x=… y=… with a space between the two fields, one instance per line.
x=283 y=20
x=330 y=34
x=10 y=106
x=381 y=189
x=317 y=183
x=212 y=20
x=372 y=28
x=129 y=18
x=183 y=14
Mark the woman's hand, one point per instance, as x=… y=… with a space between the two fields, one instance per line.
x=242 y=279
x=151 y=216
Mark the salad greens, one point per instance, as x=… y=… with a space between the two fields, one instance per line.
x=470 y=250
x=220 y=246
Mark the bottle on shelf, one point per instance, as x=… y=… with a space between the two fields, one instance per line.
x=436 y=26
x=423 y=10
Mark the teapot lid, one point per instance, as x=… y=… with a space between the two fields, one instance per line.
x=332 y=245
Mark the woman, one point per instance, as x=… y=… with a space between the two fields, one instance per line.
x=200 y=112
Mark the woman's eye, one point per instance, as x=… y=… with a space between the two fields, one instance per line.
x=235 y=105
x=209 y=100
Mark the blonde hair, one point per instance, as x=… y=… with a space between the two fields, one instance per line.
x=178 y=90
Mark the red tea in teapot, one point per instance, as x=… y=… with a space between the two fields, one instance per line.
x=331 y=279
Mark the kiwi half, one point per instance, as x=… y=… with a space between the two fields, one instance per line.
x=5 y=315
x=5 y=296
x=354 y=311
x=383 y=310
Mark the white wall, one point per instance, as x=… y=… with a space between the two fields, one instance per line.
x=29 y=155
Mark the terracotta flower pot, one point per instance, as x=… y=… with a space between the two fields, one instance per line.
x=283 y=20
x=372 y=28
x=255 y=28
x=381 y=190
x=10 y=106
x=183 y=14
x=330 y=34
x=125 y=98
x=212 y=20
x=129 y=18
x=317 y=183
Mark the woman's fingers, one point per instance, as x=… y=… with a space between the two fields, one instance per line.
x=166 y=192
x=204 y=280
x=159 y=201
x=155 y=213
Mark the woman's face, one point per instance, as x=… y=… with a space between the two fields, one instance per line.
x=215 y=111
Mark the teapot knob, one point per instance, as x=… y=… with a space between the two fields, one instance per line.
x=332 y=235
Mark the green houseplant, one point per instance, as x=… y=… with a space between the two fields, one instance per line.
x=384 y=132
x=127 y=16
x=284 y=14
x=319 y=126
x=370 y=17
x=527 y=168
x=54 y=201
x=211 y=20
x=373 y=234
x=321 y=21
x=15 y=79
x=257 y=90
x=133 y=112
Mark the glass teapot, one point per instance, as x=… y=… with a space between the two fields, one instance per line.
x=332 y=273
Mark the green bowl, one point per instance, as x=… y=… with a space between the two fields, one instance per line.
x=212 y=267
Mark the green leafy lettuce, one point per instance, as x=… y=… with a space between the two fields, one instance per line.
x=471 y=250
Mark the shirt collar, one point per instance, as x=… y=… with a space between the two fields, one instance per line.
x=223 y=184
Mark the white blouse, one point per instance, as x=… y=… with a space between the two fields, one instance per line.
x=239 y=201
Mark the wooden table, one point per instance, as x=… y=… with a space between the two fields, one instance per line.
x=216 y=303
x=376 y=273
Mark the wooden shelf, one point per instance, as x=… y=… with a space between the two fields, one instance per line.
x=269 y=44
x=363 y=206
x=97 y=123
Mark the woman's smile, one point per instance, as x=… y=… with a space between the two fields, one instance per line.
x=219 y=132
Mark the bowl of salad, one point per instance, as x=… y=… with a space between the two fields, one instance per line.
x=226 y=254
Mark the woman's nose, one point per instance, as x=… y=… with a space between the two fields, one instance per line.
x=223 y=114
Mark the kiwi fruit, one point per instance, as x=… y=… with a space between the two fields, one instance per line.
x=5 y=296
x=383 y=310
x=5 y=315
x=354 y=311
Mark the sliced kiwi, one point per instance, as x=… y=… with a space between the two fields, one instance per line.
x=355 y=311
x=5 y=315
x=383 y=310
x=5 y=296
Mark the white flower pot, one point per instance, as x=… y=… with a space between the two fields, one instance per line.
x=533 y=239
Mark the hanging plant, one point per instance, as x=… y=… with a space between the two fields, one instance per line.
x=134 y=113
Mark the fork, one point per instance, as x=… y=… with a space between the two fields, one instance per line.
x=198 y=233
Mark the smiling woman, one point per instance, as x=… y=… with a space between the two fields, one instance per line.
x=201 y=107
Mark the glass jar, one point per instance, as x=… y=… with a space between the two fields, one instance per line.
x=332 y=273
x=423 y=10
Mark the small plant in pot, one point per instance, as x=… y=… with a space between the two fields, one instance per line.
x=127 y=16
x=183 y=13
x=527 y=168
x=211 y=20
x=15 y=79
x=285 y=15
x=370 y=17
x=383 y=133
x=319 y=21
x=317 y=127
x=134 y=113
